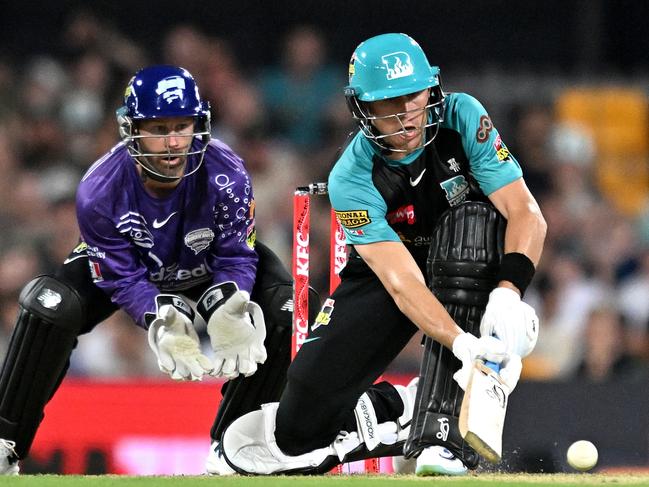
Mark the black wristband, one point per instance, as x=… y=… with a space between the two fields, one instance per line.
x=518 y=269
x=169 y=299
x=214 y=297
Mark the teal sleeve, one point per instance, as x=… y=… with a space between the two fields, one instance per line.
x=491 y=163
x=358 y=205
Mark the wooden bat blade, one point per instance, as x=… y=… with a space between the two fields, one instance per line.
x=482 y=416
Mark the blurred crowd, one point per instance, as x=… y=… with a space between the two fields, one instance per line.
x=287 y=121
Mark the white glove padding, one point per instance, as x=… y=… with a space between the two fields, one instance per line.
x=237 y=331
x=511 y=320
x=467 y=348
x=175 y=343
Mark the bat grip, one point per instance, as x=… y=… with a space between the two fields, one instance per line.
x=493 y=366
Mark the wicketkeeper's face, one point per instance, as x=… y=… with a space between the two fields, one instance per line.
x=401 y=120
x=165 y=143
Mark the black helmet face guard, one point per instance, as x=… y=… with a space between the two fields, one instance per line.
x=434 y=109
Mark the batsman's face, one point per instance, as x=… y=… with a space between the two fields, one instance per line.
x=165 y=143
x=402 y=119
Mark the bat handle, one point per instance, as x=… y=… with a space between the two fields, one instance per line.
x=493 y=366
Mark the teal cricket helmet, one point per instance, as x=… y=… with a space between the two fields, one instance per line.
x=389 y=66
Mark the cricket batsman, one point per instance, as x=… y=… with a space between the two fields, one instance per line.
x=445 y=237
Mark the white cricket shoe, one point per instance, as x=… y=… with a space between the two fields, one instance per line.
x=404 y=466
x=437 y=460
x=215 y=463
x=408 y=393
x=8 y=462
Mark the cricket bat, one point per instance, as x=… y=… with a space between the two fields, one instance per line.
x=484 y=406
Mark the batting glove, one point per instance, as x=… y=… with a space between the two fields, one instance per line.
x=468 y=348
x=511 y=320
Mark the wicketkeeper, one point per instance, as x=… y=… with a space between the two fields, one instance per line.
x=427 y=174
x=168 y=235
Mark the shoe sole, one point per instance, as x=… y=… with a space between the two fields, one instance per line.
x=432 y=470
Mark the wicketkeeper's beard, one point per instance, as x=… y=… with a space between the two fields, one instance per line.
x=163 y=168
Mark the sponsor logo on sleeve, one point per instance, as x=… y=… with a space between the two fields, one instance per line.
x=353 y=218
x=251 y=236
x=95 y=272
x=78 y=252
x=502 y=152
x=484 y=129
x=324 y=316
x=95 y=252
x=253 y=205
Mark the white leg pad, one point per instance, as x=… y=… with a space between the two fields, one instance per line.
x=249 y=446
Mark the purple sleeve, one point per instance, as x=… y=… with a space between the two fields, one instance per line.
x=115 y=265
x=234 y=257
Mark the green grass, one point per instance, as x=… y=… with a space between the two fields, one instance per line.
x=509 y=480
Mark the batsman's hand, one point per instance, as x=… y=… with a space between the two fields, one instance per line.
x=236 y=328
x=467 y=348
x=510 y=320
x=174 y=341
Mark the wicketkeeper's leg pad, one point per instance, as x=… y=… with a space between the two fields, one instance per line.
x=464 y=256
x=273 y=292
x=49 y=320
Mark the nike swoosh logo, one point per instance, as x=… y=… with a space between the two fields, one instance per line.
x=415 y=182
x=157 y=224
x=310 y=340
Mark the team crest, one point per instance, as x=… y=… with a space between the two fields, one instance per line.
x=171 y=88
x=398 y=65
x=456 y=189
x=199 y=240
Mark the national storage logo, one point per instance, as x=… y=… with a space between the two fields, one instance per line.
x=353 y=218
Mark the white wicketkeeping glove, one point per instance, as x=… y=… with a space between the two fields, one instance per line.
x=511 y=320
x=174 y=341
x=467 y=348
x=237 y=330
